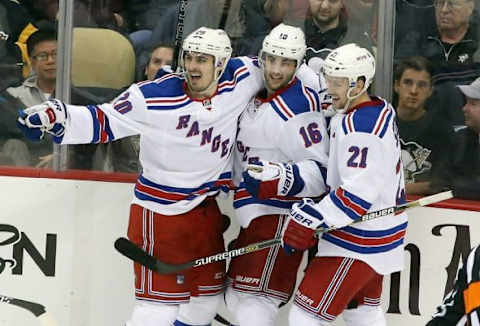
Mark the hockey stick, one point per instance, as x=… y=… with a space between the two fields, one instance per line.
x=182 y=5
x=225 y=11
x=35 y=308
x=127 y=248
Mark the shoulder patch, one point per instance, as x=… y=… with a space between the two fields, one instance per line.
x=295 y=100
x=370 y=119
x=165 y=93
x=235 y=71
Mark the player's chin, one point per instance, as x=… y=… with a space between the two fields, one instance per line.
x=276 y=85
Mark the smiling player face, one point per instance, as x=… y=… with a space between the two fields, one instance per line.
x=278 y=72
x=200 y=74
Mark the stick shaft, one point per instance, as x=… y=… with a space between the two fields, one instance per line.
x=130 y=250
x=182 y=5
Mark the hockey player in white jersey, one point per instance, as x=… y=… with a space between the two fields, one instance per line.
x=283 y=123
x=364 y=173
x=187 y=125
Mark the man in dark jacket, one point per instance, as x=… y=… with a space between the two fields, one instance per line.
x=327 y=25
x=451 y=47
x=465 y=179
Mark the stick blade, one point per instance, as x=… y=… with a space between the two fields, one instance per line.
x=441 y=196
x=130 y=250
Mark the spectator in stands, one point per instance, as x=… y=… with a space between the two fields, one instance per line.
x=465 y=179
x=326 y=26
x=291 y=12
x=42 y=10
x=42 y=50
x=208 y=13
x=161 y=55
x=425 y=136
x=15 y=27
x=417 y=15
x=455 y=39
x=362 y=20
x=100 y=13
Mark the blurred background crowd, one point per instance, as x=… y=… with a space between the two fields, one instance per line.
x=118 y=42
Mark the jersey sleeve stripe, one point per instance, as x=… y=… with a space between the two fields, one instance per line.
x=385 y=125
x=310 y=97
x=101 y=126
x=344 y=126
x=229 y=85
x=351 y=205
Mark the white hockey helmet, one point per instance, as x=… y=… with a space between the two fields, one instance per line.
x=209 y=41
x=352 y=62
x=285 y=41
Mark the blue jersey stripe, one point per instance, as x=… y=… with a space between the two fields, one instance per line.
x=349 y=212
x=169 y=107
x=385 y=125
x=362 y=249
x=375 y=233
x=279 y=112
x=344 y=125
x=143 y=196
x=96 y=124
x=269 y=202
x=357 y=200
x=145 y=181
x=235 y=82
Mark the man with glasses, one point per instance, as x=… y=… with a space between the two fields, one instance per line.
x=38 y=88
x=42 y=50
x=456 y=37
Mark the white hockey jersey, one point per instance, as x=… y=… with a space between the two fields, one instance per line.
x=365 y=174
x=185 y=144
x=287 y=126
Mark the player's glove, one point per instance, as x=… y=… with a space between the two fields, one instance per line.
x=35 y=134
x=265 y=179
x=49 y=116
x=299 y=231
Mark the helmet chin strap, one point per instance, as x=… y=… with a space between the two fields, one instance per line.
x=350 y=98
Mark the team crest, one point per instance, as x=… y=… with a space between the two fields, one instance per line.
x=414 y=159
x=180 y=279
x=3 y=36
x=207 y=104
x=254 y=105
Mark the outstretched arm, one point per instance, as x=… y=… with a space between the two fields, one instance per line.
x=71 y=124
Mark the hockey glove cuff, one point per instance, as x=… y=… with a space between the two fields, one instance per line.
x=299 y=232
x=265 y=179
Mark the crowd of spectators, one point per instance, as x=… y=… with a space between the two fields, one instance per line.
x=436 y=54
